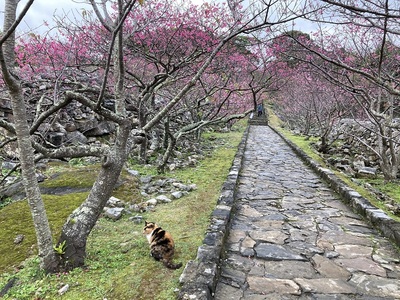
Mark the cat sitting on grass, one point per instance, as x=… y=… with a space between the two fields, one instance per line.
x=161 y=244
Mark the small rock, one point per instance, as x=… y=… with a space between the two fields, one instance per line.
x=115 y=202
x=63 y=290
x=134 y=172
x=160 y=182
x=331 y=254
x=136 y=219
x=19 y=238
x=114 y=213
x=152 y=202
x=180 y=186
x=146 y=179
x=8 y=165
x=358 y=163
x=40 y=177
x=177 y=195
x=141 y=207
x=163 y=199
x=367 y=172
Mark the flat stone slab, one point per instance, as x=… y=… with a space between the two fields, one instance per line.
x=286 y=269
x=353 y=251
x=274 y=236
x=325 y=286
x=268 y=224
x=269 y=285
x=249 y=212
x=226 y=292
x=328 y=268
x=235 y=236
x=276 y=252
x=246 y=246
x=342 y=238
x=377 y=286
x=362 y=264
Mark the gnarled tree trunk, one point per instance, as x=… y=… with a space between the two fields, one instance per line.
x=47 y=256
x=80 y=223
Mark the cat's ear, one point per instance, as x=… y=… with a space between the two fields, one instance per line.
x=145 y=223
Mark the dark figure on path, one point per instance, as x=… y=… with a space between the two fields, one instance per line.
x=259 y=109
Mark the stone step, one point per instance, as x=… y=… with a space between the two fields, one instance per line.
x=260 y=121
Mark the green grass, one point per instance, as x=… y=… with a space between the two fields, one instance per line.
x=392 y=189
x=16 y=219
x=65 y=176
x=118 y=261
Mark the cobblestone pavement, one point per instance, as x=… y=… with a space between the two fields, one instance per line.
x=291 y=237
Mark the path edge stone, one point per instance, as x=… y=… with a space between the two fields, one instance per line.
x=200 y=276
x=389 y=227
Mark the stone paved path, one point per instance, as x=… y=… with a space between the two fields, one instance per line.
x=291 y=237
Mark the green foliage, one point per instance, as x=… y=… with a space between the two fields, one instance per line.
x=60 y=248
x=118 y=262
x=392 y=189
x=5 y=202
x=77 y=162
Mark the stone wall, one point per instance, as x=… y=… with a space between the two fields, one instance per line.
x=351 y=151
x=73 y=124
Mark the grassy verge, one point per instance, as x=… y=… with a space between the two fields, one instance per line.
x=118 y=261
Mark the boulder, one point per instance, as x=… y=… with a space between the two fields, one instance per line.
x=163 y=199
x=366 y=172
x=177 y=194
x=19 y=239
x=76 y=138
x=115 y=202
x=114 y=213
x=152 y=201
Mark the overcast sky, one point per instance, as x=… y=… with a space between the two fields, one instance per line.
x=43 y=10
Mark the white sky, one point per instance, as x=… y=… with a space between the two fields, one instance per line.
x=40 y=11
x=43 y=10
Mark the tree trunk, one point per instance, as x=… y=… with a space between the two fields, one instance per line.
x=142 y=155
x=81 y=222
x=168 y=152
x=166 y=133
x=10 y=15
x=47 y=256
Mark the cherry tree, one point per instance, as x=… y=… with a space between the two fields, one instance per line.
x=22 y=132
x=79 y=68
x=308 y=101
x=313 y=105
x=360 y=44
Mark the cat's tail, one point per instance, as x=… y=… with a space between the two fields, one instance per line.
x=169 y=264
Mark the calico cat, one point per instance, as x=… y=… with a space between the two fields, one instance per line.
x=161 y=244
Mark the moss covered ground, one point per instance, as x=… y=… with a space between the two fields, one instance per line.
x=118 y=261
